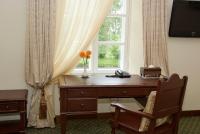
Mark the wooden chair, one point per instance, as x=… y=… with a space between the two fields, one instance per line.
x=161 y=113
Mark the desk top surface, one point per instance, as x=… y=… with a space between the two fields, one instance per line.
x=13 y=95
x=102 y=81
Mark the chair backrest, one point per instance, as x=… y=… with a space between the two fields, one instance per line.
x=169 y=96
x=165 y=102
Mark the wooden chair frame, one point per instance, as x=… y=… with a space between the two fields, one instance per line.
x=168 y=102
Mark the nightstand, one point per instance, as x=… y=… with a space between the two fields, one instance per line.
x=13 y=102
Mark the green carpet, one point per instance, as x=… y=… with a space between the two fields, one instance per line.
x=188 y=125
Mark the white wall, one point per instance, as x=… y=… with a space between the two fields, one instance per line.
x=184 y=59
x=183 y=56
x=12 y=43
x=183 y=53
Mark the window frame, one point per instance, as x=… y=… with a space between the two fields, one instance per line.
x=93 y=63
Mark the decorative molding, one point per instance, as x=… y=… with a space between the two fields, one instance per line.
x=190 y=113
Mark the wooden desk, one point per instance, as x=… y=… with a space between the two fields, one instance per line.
x=78 y=96
x=13 y=101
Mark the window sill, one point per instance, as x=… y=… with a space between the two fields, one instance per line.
x=98 y=71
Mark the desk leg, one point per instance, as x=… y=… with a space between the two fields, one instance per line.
x=63 y=122
x=22 y=121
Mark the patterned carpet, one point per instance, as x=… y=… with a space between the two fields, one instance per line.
x=188 y=125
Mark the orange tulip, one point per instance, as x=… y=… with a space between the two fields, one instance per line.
x=88 y=53
x=82 y=54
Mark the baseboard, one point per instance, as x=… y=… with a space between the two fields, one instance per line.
x=190 y=113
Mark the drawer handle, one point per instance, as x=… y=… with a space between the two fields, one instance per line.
x=124 y=92
x=7 y=107
x=82 y=105
x=82 y=93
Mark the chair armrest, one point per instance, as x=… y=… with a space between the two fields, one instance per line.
x=137 y=113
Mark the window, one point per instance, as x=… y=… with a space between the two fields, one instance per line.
x=108 y=51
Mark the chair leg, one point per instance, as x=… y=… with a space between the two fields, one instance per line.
x=113 y=130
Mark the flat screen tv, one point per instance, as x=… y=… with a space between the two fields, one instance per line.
x=185 y=19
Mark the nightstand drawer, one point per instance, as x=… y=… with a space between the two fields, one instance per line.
x=9 y=107
x=82 y=93
x=78 y=105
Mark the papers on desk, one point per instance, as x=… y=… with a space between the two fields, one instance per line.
x=150 y=77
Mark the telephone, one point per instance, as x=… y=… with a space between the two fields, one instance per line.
x=122 y=74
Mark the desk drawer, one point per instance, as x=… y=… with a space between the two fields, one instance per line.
x=82 y=93
x=122 y=92
x=77 y=105
x=9 y=107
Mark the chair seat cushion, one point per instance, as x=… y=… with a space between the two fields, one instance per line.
x=149 y=109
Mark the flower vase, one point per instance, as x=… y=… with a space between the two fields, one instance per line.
x=85 y=74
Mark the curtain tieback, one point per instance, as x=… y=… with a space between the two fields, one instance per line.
x=43 y=106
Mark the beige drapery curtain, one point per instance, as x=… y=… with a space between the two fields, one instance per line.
x=40 y=42
x=155 y=27
x=53 y=48
x=76 y=29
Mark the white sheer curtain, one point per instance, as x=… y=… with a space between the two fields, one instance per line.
x=135 y=36
x=78 y=21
